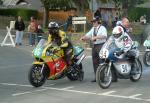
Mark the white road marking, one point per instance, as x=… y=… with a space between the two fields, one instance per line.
x=88 y=48
x=29 y=92
x=50 y=85
x=134 y=96
x=108 y=94
x=21 y=85
x=67 y=88
x=88 y=57
x=8 y=84
x=17 y=94
x=125 y=97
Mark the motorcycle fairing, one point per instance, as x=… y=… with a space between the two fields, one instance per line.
x=56 y=66
x=122 y=66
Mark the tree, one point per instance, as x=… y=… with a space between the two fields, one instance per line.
x=125 y=5
x=1 y=2
x=81 y=5
x=54 y=5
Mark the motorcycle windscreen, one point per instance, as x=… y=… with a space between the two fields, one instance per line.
x=77 y=50
x=146 y=43
x=37 y=52
x=135 y=44
x=111 y=47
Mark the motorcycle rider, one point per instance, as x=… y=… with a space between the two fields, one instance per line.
x=60 y=39
x=124 y=43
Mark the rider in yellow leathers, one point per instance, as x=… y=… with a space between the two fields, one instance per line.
x=59 y=37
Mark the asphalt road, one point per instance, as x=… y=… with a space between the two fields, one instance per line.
x=15 y=88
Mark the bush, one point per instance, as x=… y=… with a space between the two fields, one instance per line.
x=25 y=13
x=1 y=2
x=136 y=13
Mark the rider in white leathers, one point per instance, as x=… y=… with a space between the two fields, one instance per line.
x=122 y=39
x=125 y=43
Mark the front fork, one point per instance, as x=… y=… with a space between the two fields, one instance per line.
x=40 y=63
x=42 y=68
x=109 y=68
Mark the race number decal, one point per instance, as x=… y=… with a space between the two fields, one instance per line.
x=124 y=68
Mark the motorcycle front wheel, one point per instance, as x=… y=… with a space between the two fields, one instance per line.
x=146 y=58
x=103 y=78
x=35 y=76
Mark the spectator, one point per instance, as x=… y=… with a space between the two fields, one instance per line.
x=142 y=20
x=32 y=28
x=98 y=35
x=39 y=33
x=124 y=23
x=19 y=27
x=115 y=19
x=68 y=23
x=105 y=18
x=98 y=13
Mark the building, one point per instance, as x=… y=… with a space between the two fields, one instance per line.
x=29 y=4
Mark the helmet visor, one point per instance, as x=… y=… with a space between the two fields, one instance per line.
x=117 y=35
x=53 y=30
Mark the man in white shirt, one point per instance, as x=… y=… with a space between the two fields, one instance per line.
x=98 y=35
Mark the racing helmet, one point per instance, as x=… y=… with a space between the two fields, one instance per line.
x=117 y=32
x=53 y=28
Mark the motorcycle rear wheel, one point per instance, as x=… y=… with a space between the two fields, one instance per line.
x=35 y=77
x=137 y=76
x=101 y=78
x=146 y=58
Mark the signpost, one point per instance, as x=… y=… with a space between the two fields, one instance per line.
x=79 y=20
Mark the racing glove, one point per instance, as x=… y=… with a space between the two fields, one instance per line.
x=55 y=49
x=118 y=53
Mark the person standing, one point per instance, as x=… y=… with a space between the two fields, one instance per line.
x=68 y=23
x=19 y=27
x=39 y=33
x=98 y=35
x=105 y=18
x=125 y=25
x=32 y=29
x=98 y=13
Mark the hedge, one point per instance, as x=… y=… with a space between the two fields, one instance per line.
x=136 y=13
x=25 y=13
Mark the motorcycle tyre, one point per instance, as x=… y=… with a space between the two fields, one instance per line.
x=42 y=81
x=100 y=73
x=145 y=60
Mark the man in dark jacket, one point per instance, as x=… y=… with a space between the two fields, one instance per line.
x=19 y=27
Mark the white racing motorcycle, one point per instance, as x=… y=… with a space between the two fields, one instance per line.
x=115 y=66
x=146 y=57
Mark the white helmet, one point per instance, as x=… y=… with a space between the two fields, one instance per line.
x=117 y=32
